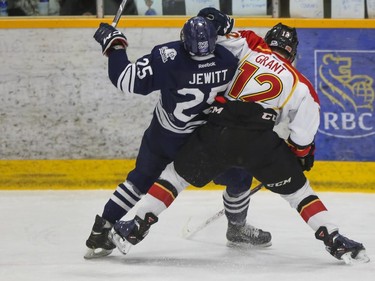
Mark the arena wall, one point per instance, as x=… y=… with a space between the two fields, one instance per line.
x=65 y=126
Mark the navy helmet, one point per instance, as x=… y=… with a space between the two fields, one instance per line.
x=283 y=38
x=199 y=36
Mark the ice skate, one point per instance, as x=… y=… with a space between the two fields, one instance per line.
x=342 y=248
x=247 y=236
x=125 y=234
x=99 y=243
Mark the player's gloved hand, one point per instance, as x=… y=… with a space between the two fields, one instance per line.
x=222 y=22
x=109 y=37
x=305 y=154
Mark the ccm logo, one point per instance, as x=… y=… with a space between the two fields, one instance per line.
x=269 y=116
x=217 y=110
x=280 y=183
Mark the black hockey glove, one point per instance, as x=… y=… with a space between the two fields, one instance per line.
x=109 y=37
x=222 y=22
x=305 y=154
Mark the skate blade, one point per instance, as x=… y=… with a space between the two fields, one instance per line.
x=122 y=244
x=239 y=245
x=361 y=257
x=96 y=253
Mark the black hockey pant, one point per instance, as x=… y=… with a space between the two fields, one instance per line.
x=213 y=149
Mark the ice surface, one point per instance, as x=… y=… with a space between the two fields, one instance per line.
x=43 y=234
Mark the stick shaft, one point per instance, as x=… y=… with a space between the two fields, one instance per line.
x=119 y=13
x=256 y=189
x=190 y=232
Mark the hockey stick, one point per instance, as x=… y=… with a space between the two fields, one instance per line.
x=188 y=233
x=119 y=13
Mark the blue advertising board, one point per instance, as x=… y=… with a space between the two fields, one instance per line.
x=340 y=63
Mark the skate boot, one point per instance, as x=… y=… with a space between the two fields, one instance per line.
x=125 y=234
x=99 y=243
x=247 y=235
x=341 y=247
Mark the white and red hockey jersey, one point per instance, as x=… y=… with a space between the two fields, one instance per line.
x=270 y=80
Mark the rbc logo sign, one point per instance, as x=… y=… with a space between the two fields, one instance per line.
x=345 y=84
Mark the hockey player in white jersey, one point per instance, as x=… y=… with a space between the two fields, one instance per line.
x=265 y=90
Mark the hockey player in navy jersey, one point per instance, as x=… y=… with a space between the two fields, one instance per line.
x=188 y=74
x=266 y=90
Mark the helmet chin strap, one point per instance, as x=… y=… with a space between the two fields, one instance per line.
x=201 y=58
x=282 y=54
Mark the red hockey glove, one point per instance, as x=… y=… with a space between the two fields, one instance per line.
x=109 y=37
x=305 y=154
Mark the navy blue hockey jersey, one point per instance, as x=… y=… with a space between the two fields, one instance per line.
x=187 y=85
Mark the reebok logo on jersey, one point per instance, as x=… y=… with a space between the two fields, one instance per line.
x=167 y=53
x=209 y=64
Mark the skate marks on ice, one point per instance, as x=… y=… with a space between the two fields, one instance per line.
x=43 y=237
